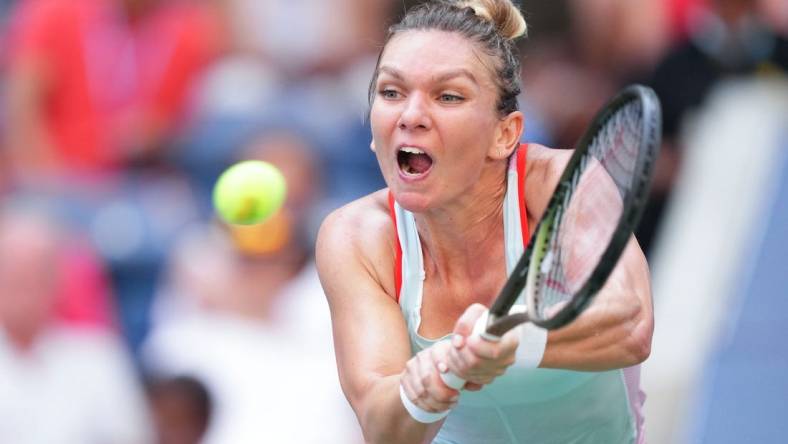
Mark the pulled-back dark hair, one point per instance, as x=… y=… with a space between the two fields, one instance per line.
x=492 y=24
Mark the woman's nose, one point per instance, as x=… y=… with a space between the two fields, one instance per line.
x=415 y=114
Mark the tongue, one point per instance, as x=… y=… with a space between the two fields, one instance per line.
x=419 y=163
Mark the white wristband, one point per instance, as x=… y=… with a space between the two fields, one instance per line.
x=533 y=340
x=418 y=413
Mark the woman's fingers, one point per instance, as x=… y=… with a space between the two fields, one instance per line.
x=501 y=350
x=421 y=380
x=466 y=322
x=457 y=361
x=475 y=359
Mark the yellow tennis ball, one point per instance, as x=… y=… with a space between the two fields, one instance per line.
x=249 y=192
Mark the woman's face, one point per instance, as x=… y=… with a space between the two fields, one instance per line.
x=434 y=119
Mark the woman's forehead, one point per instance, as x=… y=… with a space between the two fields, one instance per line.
x=433 y=53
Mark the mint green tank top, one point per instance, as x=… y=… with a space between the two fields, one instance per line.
x=524 y=405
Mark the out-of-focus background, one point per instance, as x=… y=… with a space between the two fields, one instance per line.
x=130 y=314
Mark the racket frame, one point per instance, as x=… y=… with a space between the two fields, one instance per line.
x=500 y=319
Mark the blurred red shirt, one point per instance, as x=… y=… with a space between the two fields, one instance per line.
x=106 y=73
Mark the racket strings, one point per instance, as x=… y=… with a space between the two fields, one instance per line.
x=591 y=207
x=616 y=147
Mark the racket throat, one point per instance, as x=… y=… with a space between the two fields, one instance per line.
x=496 y=326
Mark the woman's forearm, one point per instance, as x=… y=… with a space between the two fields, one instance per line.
x=384 y=419
x=600 y=341
x=615 y=330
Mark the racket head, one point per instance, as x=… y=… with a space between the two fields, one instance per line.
x=617 y=152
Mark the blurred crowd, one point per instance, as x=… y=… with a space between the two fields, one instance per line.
x=129 y=313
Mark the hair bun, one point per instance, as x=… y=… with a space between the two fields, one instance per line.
x=504 y=15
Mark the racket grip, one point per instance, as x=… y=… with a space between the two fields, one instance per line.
x=418 y=413
x=452 y=380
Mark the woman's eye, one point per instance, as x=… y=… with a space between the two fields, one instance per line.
x=451 y=98
x=389 y=94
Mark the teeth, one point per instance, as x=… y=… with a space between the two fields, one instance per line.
x=411 y=150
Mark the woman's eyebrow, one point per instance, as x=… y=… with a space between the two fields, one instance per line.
x=393 y=72
x=461 y=72
x=442 y=77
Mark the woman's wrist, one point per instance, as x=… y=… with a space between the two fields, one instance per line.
x=419 y=414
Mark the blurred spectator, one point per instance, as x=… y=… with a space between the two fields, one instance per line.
x=5 y=11
x=95 y=90
x=59 y=382
x=680 y=13
x=298 y=39
x=98 y=84
x=621 y=39
x=728 y=40
x=775 y=12
x=84 y=296
x=561 y=95
x=569 y=72
x=181 y=408
x=296 y=69
x=242 y=310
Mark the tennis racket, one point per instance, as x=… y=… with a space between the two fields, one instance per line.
x=588 y=221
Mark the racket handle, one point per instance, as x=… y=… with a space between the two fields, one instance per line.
x=418 y=413
x=453 y=381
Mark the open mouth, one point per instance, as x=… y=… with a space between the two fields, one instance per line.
x=413 y=161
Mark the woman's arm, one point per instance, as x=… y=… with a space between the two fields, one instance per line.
x=355 y=263
x=615 y=330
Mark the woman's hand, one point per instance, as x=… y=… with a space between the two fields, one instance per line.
x=478 y=360
x=422 y=383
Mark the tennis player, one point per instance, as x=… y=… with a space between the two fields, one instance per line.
x=408 y=270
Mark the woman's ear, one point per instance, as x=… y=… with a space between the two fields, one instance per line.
x=507 y=135
x=372 y=145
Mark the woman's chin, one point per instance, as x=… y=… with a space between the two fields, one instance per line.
x=413 y=201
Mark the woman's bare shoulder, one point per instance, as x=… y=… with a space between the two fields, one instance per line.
x=359 y=220
x=359 y=236
x=546 y=163
x=543 y=169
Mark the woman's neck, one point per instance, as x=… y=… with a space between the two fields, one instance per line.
x=457 y=236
